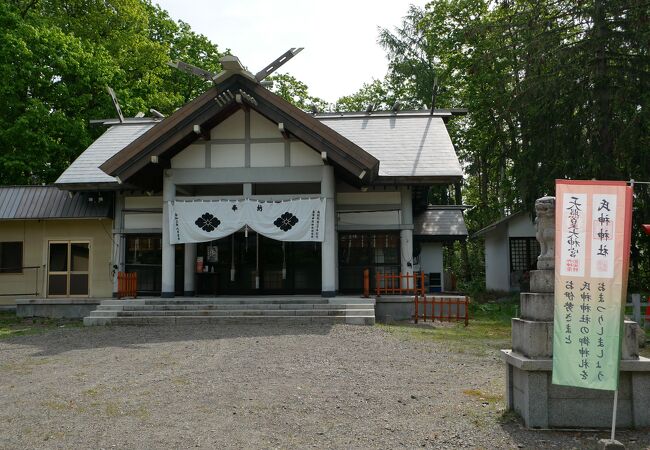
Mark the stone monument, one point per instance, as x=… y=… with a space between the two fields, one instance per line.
x=529 y=390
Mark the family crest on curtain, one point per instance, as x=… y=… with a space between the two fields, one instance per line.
x=207 y=220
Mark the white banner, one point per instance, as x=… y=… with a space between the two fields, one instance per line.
x=207 y=220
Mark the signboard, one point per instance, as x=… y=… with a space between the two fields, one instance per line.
x=592 y=242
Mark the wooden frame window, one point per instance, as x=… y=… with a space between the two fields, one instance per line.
x=523 y=254
x=11 y=257
x=68 y=269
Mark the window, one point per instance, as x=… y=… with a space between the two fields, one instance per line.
x=11 y=257
x=523 y=254
x=379 y=252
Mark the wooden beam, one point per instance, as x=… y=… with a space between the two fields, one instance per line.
x=275 y=65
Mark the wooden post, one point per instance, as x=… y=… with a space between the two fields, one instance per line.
x=377 y=285
x=417 y=309
x=366 y=283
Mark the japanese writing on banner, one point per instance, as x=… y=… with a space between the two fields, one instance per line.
x=592 y=232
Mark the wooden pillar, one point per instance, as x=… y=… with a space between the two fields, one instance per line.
x=168 y=253
x=328 y=250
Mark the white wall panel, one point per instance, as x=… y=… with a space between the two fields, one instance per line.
x=267 y=155
x=369 y=218
x=140 y=221
x=227 y=155
x=521 y=226
x=261 y=127
x=193 y=157
x=497 y=266
x=231 y=128
x=304 y=155
x=368 y=198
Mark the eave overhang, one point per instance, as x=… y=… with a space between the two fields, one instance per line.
x=176 y=132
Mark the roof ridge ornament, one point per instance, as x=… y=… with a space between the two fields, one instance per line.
x=231 y=65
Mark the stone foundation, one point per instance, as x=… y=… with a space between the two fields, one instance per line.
x=540 y=403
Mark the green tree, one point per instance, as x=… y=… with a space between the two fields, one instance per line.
x=57 y=56
x=295 y=92
x=554 y=90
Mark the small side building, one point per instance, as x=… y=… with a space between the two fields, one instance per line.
x=54 y=244
x=511 y=252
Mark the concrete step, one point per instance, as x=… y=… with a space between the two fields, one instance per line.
x=236 y=312
x=297 y=309
x=216 y=301
x=260 y=306
x=229 y=320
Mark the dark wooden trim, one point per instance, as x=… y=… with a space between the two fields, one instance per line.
x=176 y=132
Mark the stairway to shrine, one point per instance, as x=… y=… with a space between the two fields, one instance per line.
x=233 y=310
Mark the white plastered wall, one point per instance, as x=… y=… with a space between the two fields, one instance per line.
x=497 y=264
x=431 y=259
x=232 y=145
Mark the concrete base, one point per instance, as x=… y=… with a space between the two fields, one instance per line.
x=534 y=339
x=67 y=308
x=398 y=307
x=541 y=404
x=542 y=281
x=609 y=444
x=537 y=306
x=394 y=308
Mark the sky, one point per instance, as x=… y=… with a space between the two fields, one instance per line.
x=339 y=36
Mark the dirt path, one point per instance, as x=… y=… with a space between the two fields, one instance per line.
x=256 y=387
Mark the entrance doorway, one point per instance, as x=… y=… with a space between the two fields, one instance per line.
x=143 y=255
x=246 y=263
x=68 y=269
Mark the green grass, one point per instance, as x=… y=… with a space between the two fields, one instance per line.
x=488 y=330
x=10 y=325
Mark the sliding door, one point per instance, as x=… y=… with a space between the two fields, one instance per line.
x=68 y=270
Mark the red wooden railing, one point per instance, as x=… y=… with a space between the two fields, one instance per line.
x=399 y=284
x=442 y=308
x=127 y=284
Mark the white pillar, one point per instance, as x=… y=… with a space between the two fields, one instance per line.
x=406 y=233
x=328 y=250
x=168 y=253
x=189 y=269
x=117 y=261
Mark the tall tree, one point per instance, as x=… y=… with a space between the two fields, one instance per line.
x=57 y=56
x=554 y=90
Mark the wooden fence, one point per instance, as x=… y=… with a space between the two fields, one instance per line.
x=444 y=309
x=127 y=284
x=433 y=307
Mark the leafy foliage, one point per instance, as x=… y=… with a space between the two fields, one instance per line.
x=295 y=92
x=57 y=57
x=554 y=90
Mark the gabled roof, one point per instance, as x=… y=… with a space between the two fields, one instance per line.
x=411 y=147
x=440 y=223
x=494 y=225
x=84 y=172
x=174 y=133
x=48 y=202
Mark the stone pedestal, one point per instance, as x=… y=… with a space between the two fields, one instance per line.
x=529 y=363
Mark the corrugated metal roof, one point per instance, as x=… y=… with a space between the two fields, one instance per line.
x=48 y=202
x=408 y=146
x=439 y=221
x=85 y=169
x=494 y=225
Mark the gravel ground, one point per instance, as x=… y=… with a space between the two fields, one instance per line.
x=257 y=387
